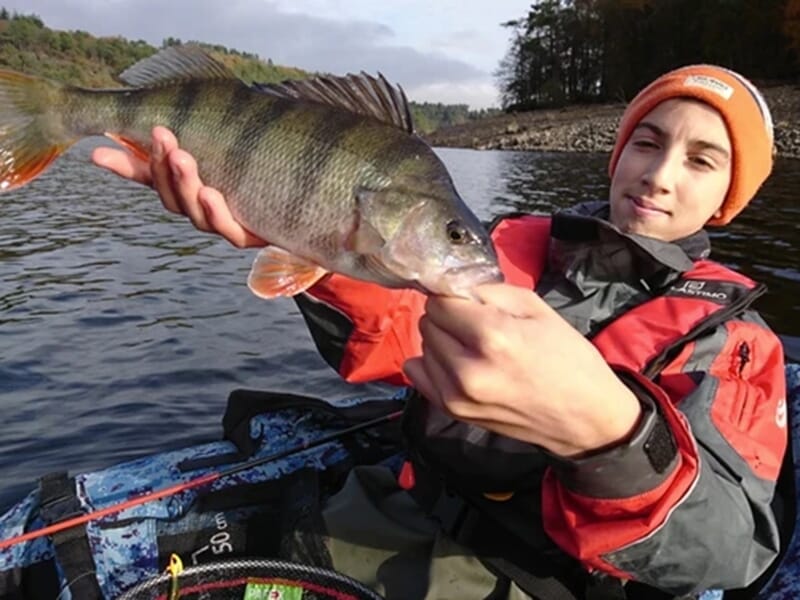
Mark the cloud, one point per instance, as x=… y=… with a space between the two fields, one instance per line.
x=432 y=72
x=477 y=93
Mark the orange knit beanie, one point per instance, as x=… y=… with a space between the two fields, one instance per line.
x=744 y=111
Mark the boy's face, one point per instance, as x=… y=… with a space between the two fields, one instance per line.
x=673 y=174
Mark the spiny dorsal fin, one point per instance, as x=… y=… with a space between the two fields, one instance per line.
x=175 y=64
x=361 y=94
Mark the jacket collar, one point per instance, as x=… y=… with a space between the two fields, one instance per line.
x=585 y=246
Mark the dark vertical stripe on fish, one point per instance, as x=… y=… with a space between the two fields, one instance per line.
x=240 y=96
x=380 y=145
x=188 y=94
x=329 y=127
x=241 y=153
x=402 y=155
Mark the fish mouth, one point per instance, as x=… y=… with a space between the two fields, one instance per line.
x=460 y=281
x=479 y=274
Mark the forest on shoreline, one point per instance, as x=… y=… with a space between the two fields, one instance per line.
x=567 y=52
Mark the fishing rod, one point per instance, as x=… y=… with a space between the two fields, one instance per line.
x=193 y=483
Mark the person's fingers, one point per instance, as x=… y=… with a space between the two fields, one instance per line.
x=470 y=321
x=164 y=144
x=445 y=363
x=186 y=187
x=220 y=219
x=445 y=311
x=442 y=346
x=464 y=319
x=511 y=299
x=438 y=388
x=464 y=377
x=415 y=371
x=428 y=381
x=122 y=163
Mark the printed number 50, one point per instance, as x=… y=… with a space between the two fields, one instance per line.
x=220 y=543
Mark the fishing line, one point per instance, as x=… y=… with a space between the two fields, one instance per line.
x=69 y=584
x=193 y=483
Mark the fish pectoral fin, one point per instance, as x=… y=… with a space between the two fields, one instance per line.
x=276 y=272
x=138 y=149
x=363 y=238
x=388 y=276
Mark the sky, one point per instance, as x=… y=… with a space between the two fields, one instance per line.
x=437 y=50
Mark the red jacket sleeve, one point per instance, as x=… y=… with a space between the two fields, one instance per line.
x=366 y=332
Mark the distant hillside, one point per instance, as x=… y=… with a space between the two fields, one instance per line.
x=79 y=58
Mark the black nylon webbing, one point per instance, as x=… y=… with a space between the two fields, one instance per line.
x=58 y=501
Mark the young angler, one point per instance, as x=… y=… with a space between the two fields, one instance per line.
x=611 y=421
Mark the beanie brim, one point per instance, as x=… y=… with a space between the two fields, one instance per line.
x=738 y=102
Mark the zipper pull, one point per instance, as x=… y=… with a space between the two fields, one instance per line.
x=407 y=479
x=744 y=356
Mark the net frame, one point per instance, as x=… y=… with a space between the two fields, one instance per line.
x=225 y=579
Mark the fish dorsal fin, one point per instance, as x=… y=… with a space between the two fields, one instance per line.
x=362 y=94
x=175 y=64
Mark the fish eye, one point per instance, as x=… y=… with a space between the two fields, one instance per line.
x=457 y=233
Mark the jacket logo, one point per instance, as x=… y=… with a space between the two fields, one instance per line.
x=698 y=289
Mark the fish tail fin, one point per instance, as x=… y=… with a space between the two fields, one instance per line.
x=32 y=129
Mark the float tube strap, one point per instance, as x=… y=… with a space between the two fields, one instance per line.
x=58 y=501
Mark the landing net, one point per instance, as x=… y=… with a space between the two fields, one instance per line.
x=251 y=580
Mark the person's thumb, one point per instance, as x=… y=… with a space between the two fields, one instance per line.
x=511 y=299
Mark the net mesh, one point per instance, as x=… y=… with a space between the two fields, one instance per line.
x=251 y=579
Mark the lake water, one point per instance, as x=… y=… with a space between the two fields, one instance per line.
x=122 y=329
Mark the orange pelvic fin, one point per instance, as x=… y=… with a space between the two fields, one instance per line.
x=276 y=272
x=138 y=149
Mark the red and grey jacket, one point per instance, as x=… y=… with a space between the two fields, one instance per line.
x=692 y=513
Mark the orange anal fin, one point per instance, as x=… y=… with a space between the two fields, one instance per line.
x=276 y=272
x=138 y=149
x=16 y=171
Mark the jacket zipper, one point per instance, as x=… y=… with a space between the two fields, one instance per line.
x=656 y=365
x=742 y=358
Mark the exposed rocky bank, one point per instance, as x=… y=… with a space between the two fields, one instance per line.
x=591 y=128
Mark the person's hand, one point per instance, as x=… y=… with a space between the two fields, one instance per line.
x=509 y=363
x=172 y=172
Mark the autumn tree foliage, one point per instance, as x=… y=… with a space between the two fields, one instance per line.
x=567 y=51
x=791 y=24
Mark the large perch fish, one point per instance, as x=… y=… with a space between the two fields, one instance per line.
x=327 y=170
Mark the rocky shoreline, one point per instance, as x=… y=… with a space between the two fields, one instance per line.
x=591 y=128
